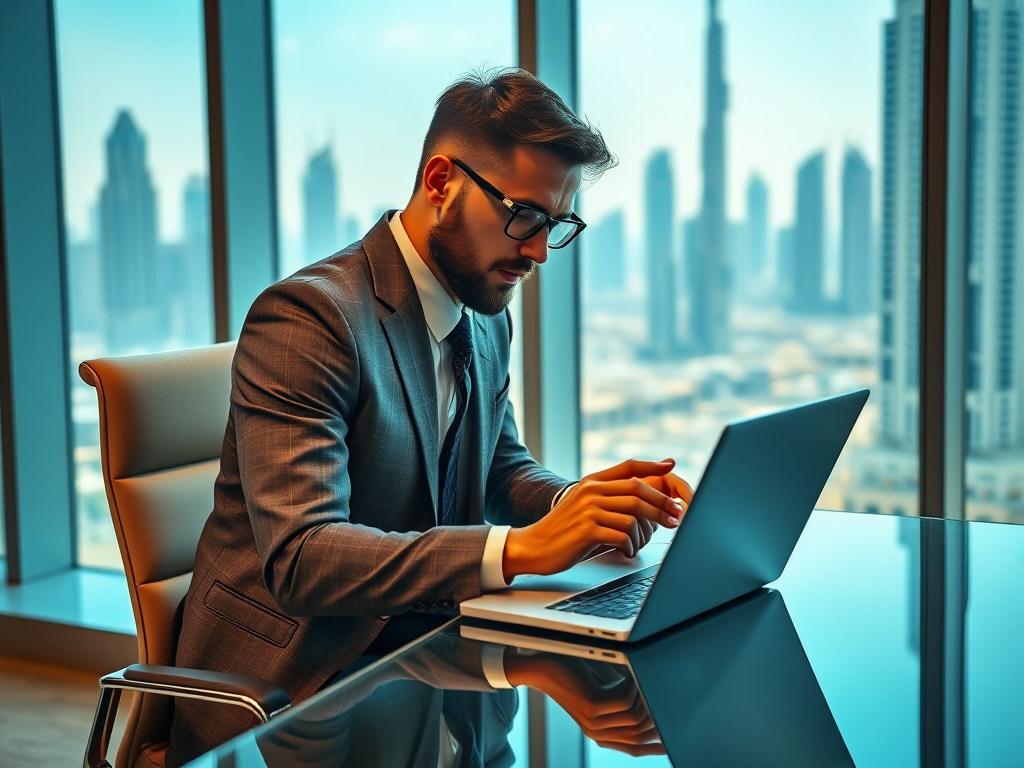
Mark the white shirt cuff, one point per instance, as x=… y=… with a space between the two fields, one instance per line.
x=492 y=661
x=492 y=575
x=560 y=494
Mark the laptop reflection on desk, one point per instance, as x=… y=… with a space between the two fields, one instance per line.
x=731 y=688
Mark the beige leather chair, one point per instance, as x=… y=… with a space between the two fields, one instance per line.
x=162 y=420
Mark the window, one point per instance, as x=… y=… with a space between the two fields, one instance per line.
x=995 y=283
x=355 y=88
x=764 y=215
x=136 y=200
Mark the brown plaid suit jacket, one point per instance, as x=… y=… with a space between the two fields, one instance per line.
x=324 y=513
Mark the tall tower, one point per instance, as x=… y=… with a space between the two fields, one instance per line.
x=757 y=227
x=900 y=262
x=320 y=206
x=995 y=272
x=659 y=207
x=196 y=277
x=604 y=261
x=856 y=254
x=709 y=271
x=808 y=254
x=135 y=305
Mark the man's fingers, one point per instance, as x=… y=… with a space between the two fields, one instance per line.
x=656 y=507
x=620 y=523
x=678 y=487
x=634 y=468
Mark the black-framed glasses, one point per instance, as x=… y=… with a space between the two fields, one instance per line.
x=525 y=221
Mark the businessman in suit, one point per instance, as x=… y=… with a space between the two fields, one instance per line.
x=372 y=477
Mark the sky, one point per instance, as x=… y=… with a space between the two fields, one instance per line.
x=804 y=75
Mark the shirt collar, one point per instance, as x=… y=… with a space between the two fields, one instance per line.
x=441 y=313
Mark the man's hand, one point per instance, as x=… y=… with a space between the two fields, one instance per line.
x=603 y=701
x=618 y=508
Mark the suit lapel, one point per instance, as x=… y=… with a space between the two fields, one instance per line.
x=406 y=331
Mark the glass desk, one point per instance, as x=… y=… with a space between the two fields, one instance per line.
x=887 y=642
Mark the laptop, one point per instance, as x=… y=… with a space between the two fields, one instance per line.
x=732 y=687
x=753 y=501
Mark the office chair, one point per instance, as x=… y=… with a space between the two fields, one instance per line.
x=162 y=420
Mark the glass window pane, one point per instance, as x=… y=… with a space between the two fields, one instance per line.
x=133 y=114
x=355 y=90
x=994 y=379
x=758 y=246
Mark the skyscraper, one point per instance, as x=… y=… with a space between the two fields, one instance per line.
x=784 y=264
x=320 y=206
x=604 y=256
x=659 y=207
x=135 y=306
x=708 y=269
x=808 y=256
x=995 y=273
x=196 y=278
x=856 y=252
x=757 y=227
x=900 y=263
x=885 y=477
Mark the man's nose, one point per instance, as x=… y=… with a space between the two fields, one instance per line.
x=536 y=247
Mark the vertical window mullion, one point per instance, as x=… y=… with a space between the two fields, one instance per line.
x=34 y=371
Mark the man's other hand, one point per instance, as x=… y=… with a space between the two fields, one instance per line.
x=618 y=508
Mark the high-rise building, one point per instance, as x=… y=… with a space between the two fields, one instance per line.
x=135 y=305
x=885 y=478
x=196 y=269
x=808 y=256
x=995 y=271
x=784 y=264
x=708 y=269
x=659 y=207
x=320 y=207
x=604 y=254
x=757 y=227
x=900 y=262
x=856 y=254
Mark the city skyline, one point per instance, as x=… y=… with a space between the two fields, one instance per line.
x=171 y=57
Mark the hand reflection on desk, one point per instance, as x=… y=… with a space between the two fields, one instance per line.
x=602 y=698
x=435 y=707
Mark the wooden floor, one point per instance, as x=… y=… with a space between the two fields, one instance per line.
x=46 y=713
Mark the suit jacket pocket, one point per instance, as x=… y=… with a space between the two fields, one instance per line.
x=247 y=614
x=499 y=399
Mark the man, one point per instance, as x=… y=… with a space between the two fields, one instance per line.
x=370 y=440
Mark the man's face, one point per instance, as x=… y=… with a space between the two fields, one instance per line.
x=480 y=263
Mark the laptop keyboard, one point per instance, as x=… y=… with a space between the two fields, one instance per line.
x=617 y=603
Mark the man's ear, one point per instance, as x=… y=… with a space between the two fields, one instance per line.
x=439 y=181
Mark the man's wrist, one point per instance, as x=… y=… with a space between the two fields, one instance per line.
x=514 y=560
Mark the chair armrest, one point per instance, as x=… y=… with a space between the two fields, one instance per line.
x=260 y=697
x=264 y=699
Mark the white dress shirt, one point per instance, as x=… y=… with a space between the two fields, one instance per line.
x=442 y=315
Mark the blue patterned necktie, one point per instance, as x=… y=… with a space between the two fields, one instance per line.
x=461 y=340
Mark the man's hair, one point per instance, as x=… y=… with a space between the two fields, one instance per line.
x=490 y=112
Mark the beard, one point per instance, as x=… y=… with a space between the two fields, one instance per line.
x=453 y=253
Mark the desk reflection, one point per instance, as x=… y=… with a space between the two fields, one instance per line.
x=733 y=688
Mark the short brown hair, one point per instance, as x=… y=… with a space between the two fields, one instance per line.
x=497 y=109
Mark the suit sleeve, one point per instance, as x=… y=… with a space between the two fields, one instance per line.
x=296 y=388
x=519 y=490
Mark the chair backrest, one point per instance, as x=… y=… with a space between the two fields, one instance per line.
x=162 y=420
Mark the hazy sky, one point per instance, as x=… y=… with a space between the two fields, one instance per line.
x=804 y=75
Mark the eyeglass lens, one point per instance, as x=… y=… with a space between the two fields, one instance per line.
x=527 y=222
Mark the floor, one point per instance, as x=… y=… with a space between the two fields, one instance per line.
x=46 y=713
